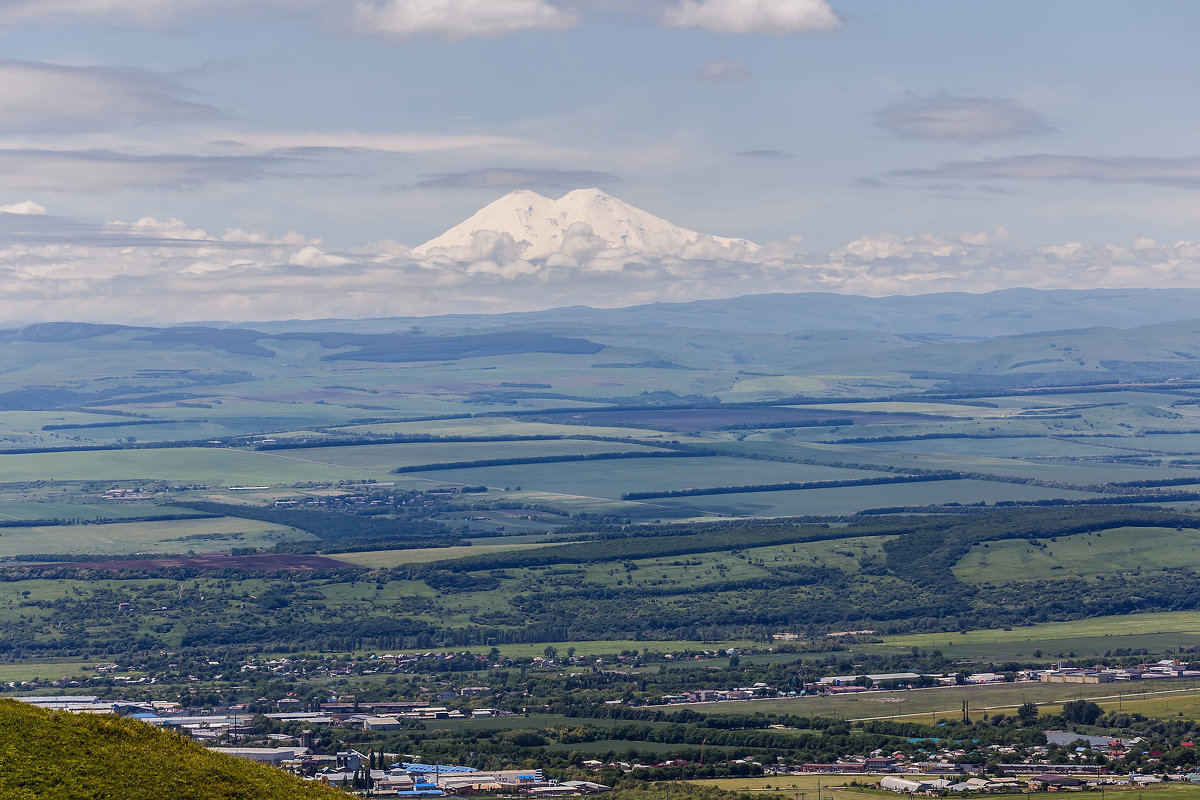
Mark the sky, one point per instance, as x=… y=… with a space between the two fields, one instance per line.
x=177 y=160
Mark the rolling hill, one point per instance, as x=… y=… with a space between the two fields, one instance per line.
x=49 y=754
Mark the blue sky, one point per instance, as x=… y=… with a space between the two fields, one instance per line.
x=875 y=147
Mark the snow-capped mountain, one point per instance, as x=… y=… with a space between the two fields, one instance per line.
x=587 y=220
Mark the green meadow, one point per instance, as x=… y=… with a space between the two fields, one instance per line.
x=165 y=536
x=1088 y=555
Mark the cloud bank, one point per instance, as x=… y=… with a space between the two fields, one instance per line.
x=35 y=170
x=968 y=120
x=38 y=97
x=448 y=19
x=153 y=271
x=515 y=178
x=1179 y=173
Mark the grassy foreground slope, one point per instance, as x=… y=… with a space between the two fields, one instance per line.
x=51 y=754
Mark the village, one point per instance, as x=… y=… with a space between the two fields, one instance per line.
x=1067 y=761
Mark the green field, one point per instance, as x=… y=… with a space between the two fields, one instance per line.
x=849 y=499
x=1091 y=554
x=609 y=479
x=1157 y=632
x=930 y=705
x=167 y=536
x=186 y=465
x=929 y=455
x=1160 y=443
x=502 y=426
x=385 y=457
x=377 y=559
x=1029 y=447
x=15 y=510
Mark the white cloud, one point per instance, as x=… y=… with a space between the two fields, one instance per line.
x=753 y=16
x=153 y=270
x=452 y=19
x=962 y=119
x=458 y=19
x=37 y=97
x=24 y=207
x=165 y=229
x=724 y=70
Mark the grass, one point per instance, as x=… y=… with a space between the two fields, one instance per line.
x=1050 y=647
x=384 y=457
x=1170 y=622
x=378 y=559
x=930 y=705
x=697 y=569
x=1100 y=553
x=502 y=426
x=184 y=465
x=849 y=499
x=50 y=668
x=168 y=536
x=58 y=754
x=610 y=479
x=16 y=510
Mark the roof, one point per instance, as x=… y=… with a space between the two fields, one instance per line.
x=440 y=769
x=1067 y=737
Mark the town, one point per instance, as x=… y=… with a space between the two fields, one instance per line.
x=343 y=739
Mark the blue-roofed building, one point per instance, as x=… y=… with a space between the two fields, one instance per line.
x=439 y=769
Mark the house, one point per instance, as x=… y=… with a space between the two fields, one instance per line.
x=985 y=677
x=1077 y=676
x=1054 y=783
x=1064 y=738
x=887 y=677
x=274 y=756
x=587 y=787
x=382 y=724
x=894 y=783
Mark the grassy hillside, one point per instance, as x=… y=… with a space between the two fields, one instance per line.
x=49 y=754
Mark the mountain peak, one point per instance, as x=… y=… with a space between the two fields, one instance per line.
x=541 y=226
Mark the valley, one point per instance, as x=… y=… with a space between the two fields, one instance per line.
x=586 y=516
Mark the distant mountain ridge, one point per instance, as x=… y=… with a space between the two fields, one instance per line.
x=584 y=221
x=1006 y=312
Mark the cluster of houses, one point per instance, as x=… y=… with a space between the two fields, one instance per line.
x=350 y=769
x=844 y=684
x=946 y=764
x=234 y=720
x=1167 y=668
x=944 y=777
x=1050 y=782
